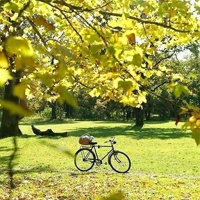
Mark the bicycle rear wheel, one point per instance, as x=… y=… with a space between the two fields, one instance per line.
x=119 y=162
x=84 y=159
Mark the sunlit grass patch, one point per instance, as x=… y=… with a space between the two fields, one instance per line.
x=165 y=163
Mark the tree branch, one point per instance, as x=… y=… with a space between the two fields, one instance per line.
x=161 y=84
x=145 y=21
x=79 y=8
x=165 y=58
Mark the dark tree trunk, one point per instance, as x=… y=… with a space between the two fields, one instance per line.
x=53 y=110
x=139 y=117
x=148 y=115
x=148 y=108
x=68 y=110
x=9 y=122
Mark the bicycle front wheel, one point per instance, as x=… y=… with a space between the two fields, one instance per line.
x=119 y=162
x=84 y=159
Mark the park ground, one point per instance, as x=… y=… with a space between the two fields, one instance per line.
x=165 y=163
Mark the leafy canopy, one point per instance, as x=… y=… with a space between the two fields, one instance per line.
x=109 y=48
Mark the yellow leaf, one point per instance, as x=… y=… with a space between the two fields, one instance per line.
x=127 y=86
x=3 y=61
x=112 y=75
x=64 y=51
x=41 y=21
x=19 y=46
x=142 y=98
x=123 y=40
x=29 y=94
x=176 y=77
x=196 y=135
x=131 y=38
x=18 y=109
x=132 y=101
x=21 y=62
x=46 y=79
x=186 y=125
x=113 y=23
x=4 y=76
x=94 y=93
x=115 y=196
x=19 y=90
x=66 y=96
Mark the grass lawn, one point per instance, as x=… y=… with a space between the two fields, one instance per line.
x=165 y=163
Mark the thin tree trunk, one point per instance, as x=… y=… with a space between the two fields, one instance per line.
x=53 y=110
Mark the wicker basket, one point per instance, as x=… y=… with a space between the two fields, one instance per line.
x=85 y=139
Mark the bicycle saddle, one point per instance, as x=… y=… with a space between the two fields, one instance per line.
x=92 y=143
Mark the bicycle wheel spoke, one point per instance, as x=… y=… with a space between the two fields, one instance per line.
x=84 y=159
x=119 y=162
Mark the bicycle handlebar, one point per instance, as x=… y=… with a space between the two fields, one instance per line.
x=112 y=141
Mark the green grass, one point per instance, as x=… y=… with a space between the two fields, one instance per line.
x=165 y=163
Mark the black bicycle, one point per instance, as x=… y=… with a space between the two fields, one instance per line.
x=87 y=156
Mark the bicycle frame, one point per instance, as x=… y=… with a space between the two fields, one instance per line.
x=93 y=148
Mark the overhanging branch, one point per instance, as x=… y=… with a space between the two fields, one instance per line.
x=143 y=21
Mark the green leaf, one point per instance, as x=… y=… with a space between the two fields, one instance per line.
x=179 y=89
x=111 y=50
x=92 y=37
x=96 y=48
x=11 y=6
x=137 y=60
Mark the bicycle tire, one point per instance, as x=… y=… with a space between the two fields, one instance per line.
x=84 y=159
x=119 y=162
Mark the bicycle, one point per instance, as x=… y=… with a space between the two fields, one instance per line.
x=87 y=156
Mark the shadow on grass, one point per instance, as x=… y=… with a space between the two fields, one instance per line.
x=103 y=129
x=29 y=171
x=143 y=133
x=47 y=122
x=5 y=159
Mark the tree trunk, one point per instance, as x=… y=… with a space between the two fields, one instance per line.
x=9 y=122
x=9 y=125
x=139 y=117
x=53 y=110
x=148 y=108
x=68 y=110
